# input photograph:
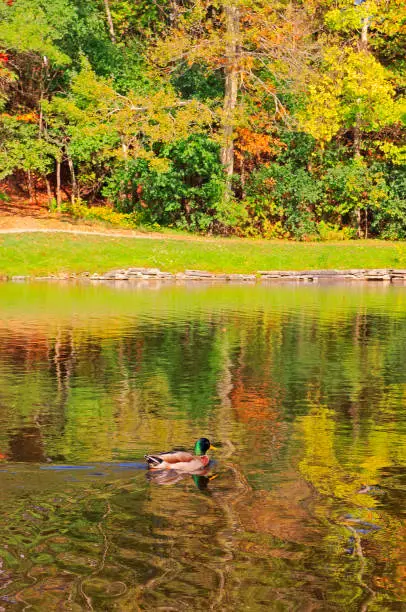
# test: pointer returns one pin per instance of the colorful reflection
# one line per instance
(303, 389)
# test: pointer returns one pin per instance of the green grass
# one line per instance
(36, 254)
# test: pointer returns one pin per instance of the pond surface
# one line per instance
(303, 388)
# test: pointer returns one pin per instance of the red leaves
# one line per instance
(4, 58)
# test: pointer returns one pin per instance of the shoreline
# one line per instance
(136, 275)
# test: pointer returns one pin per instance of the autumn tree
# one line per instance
(259, 49)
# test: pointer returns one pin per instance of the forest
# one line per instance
(251, 118)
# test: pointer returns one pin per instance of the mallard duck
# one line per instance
(182, 461)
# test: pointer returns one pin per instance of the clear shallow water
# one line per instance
(304, 389)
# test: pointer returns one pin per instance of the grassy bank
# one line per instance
(36, 254)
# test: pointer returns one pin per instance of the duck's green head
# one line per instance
(202, 446)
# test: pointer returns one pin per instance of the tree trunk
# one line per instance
(232, 15)
(29, 181)
(364, 34)
(359, 228)
(58, 184)
(357, 136)
(49, 191)
(363, 46)
(73, 178)
(110, 21)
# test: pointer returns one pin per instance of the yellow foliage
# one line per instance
(353, 88)
(105, 214)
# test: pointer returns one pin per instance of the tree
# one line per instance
(254, 45)
(353, 92)
(97, 128)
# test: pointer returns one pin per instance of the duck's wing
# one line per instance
(171, 458)
(185, 462)
(177, 457)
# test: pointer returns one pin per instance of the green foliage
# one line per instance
(286, 195)
(143, 18)
(36, 26)
(198, 82)
(354, 186)
(390, 220)
(185, 190)
(22, 149)
(330, 231)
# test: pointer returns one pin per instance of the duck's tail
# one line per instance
(153, 460)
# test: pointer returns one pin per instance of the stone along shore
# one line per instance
(155, 274)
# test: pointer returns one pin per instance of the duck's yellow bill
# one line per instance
(211, 447)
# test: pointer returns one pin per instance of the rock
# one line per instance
(198, 274)
(241, 277)
(398, 275)
(379, 272)
(378, 277)
(166, 275)
(137, 271)
(18, 279)
(314, 275)
(133, 274)
(152, 271)
(270, 276)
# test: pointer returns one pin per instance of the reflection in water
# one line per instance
(171, 477)
(26, 444)
(304, 507)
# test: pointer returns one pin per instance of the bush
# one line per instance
(389, 221)
(330, 231)
(281, 201)
(184, 187)
(104, 214)
(376, 191)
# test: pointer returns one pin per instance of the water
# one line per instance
(303, 388)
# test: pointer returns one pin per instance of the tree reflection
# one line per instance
(308, 401)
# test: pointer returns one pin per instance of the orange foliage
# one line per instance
(26, 117)
(254, 146)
